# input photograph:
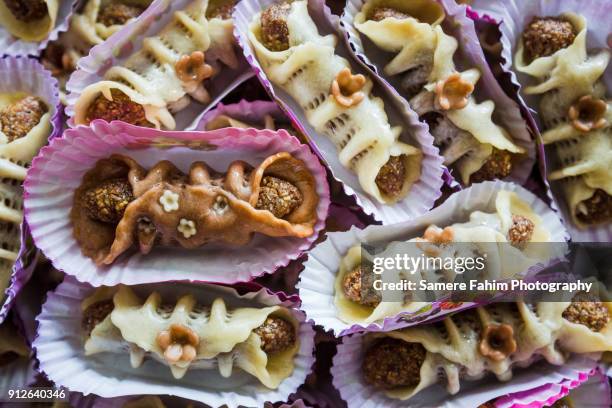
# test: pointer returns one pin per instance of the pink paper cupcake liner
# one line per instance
(348, 379)
(458, 25)
(423, 193)
(59, 348)
(27, 75)
(13, 46)
(116, 48)
(317, 281)
(58, 171)
(589, 390)
(514, 15)
(244, 111)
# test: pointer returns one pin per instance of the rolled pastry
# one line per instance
(510, 237)
(575, 112)
(189, 335)
(336, 103)
(119, 204)
(29, 20)
(24, 128)
(165, 75)
(463, 129)
(492, 339)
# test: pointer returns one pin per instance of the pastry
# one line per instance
(29, 20)
(516, 231)
(489, 339)
(188, 335)
(423, 55)
(336, 102)
(574, 110)
(119, 204)
(167, 72)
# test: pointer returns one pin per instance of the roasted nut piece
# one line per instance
(120, 108)
(346, 88)
(95, 314)
(278, 196)
(380, 13)
(359, 288)
(274, 30)
(588, 113)
(107, 201)
(17, 119)
(27, 10)
(587, 310)
(276, 335)
(179, 343)
(596, 209)
(393, 363)
(546, 35)
(498, 166)
(118, 13)
(497, 341)
(391, 177)
(521, 231)
(222, 11)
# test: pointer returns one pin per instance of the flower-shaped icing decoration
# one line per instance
(186, 227)
(497, 341)
(346, 88)
(169, 200)
(434, 237)
(588, 113)
(453, 92)
(193, 68)
(178, 343)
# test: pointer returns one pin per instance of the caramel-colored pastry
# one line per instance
(336, 101)
(20, 117)
(120, 204)
(514, 227)
(574, 110)
(464, 130)
(168, 72)
(29, 20)
(190, 335)
(490, 339)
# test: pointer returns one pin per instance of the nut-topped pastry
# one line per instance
(190, 334)
(490, 339)
(513, 226)
(574, 108)
(424, 72)
(29, 20)
(337, 101)
(168, 71)
(119, 204)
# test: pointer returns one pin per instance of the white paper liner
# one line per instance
(317, 281)
(120, 45)
(15, 47)
(424, 192)
(59, 348)
(58, 171)
(589, 390)
(514, 15)
(348, 379)
(468, 55)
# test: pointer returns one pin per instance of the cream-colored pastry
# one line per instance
(337, 103)
(464, 129)
(575, 112)
(188, 335)
(29, 20)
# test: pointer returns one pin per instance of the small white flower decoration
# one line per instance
(187, 228)
(169, 200)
